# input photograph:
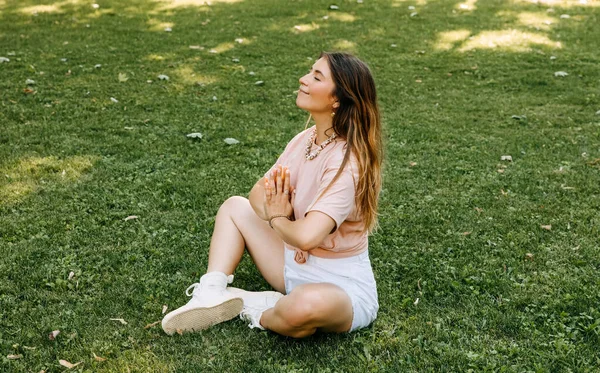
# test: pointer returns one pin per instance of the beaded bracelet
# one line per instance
(277, 216)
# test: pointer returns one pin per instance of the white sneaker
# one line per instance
(210, 304)
(255, 303)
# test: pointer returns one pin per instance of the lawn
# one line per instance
(488, 253)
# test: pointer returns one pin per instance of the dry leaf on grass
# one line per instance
(506, 158)
(152, 324)
(561, 74)
(120, 320)
(546, 227)
(71, 275)
(53, 334)
(164, 309)
(69, 365)
(14, 357)
(98, 358)
(194, 135)
(529, 256)
(123, 77)
(130, 217)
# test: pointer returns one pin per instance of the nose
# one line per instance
(302, 80)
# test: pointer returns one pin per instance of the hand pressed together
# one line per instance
(279, 195)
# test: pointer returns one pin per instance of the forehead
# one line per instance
(322, 66)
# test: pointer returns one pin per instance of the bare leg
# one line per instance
(237, 227)
(309, 307)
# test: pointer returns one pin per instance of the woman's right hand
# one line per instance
(279, 195)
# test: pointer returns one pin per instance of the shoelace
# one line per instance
(197, 285)
(193, 288)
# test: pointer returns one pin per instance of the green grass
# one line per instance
(509, 296)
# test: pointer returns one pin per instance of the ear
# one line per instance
(336, 105)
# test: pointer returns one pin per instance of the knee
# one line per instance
(306, 310)
(234, 204)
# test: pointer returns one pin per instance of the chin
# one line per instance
(299, 103)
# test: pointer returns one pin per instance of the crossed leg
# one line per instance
(308, 307)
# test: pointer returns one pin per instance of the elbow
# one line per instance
(307, 243)
(309, 236)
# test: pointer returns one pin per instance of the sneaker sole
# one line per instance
(197, 319)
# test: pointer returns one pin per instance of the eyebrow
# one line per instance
(319, 72)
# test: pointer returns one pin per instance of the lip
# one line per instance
(300, 90)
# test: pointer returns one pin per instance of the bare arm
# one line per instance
(305, 234)
(256, 198)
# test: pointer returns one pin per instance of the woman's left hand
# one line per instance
(279, 195)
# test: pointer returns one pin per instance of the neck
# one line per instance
(323, 123)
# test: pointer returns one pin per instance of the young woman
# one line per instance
(306, 223)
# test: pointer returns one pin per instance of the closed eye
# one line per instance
(314, 75)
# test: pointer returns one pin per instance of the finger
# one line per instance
(293, 198)
(279, 186)
(267, 189)
(272, 177)
(286, 183)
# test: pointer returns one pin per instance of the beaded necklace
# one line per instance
(310, 156)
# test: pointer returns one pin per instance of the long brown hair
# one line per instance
(357, 120)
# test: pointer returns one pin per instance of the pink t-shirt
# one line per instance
(310, 178)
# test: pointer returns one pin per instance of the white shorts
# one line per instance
(353, 274)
